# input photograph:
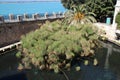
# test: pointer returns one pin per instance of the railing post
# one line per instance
(55, 15)
(1, 18)
(60, 14)
(26, 16)
(34, 16)
(37, 15)
(11, 17)
(63, 14)
(46, 15)
(19, 17)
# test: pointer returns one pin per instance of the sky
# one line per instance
(29, 0)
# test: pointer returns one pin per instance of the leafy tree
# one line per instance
(69, 3)
(101, 8)
(55, 47)
(114, 1)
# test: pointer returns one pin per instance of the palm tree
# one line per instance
(101, 8)
(79, 14)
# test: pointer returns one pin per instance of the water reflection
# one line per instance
(110, 48)
(109, 52)
(108, 68)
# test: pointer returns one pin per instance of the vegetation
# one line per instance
(101, 8)
(118, 20)
(79, 14)
(69, 3)
(56, 47)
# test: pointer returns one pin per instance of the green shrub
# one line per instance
(54, 47)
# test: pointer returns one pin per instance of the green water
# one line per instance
(9, 64)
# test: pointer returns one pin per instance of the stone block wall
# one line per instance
(12, 32)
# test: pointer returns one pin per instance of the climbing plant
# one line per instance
(55, 46)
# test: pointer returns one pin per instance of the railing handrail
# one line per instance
(10, 46)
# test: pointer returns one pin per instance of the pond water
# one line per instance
(108, 68)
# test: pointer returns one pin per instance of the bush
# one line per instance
(54, 47)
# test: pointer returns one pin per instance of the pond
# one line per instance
(107, 69)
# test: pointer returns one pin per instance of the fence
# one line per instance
(34, 17)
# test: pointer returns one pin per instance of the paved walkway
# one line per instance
(110, 32)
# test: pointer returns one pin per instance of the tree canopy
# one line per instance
(69, 3)
(101, 8)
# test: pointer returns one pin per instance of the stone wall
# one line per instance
(12, 32)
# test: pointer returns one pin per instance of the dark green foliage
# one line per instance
(69, 3)
(118, 20)
(53, 47)
(101, 8)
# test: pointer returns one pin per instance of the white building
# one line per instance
(117, 10)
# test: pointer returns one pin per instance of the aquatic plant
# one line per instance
(55, 46)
